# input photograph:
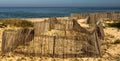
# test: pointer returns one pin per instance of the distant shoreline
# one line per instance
(41, 12)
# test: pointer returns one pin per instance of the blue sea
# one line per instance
(38, 12)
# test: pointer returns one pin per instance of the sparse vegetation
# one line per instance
(16, 22)
(117, 41)
(116, 24)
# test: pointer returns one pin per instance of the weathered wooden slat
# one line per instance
(100, 31)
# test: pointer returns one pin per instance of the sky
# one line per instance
(59, 3)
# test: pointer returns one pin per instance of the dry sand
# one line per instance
(112, 51)
(42, 19)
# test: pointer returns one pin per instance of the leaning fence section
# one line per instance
(13, 38)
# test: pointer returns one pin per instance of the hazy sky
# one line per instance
(59, 3)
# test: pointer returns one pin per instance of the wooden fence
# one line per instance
(84, 44)
(41, 27)
(93, 17)
(56, 46)
(62, 47)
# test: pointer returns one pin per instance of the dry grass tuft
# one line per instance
(117, 41)
(16, 22)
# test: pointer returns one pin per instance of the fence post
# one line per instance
(54, 37)
(97, 43)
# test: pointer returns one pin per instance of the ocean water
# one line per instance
(37, 12)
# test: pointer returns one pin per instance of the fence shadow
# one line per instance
(82, 55)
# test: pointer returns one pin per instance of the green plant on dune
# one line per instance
(116, 24)
(16, 22)
(117, 41)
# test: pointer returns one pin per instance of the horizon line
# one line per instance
(62, 6)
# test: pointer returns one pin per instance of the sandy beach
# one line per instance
(112, 51)
(59, 30)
